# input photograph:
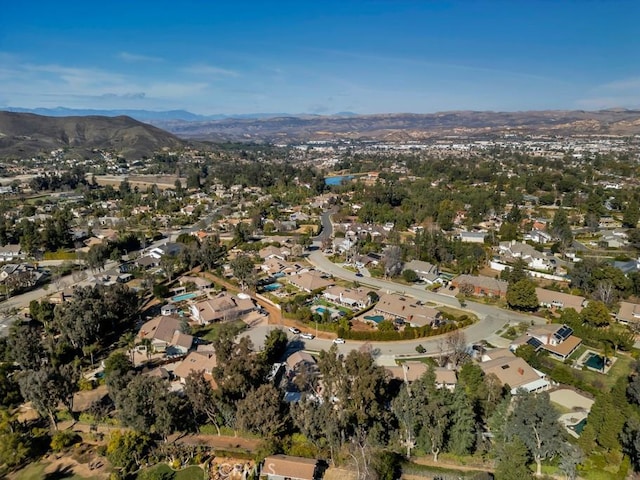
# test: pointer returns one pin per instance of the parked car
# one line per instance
(359, 274)
(307, 336)
(294, 330)
(338, 340)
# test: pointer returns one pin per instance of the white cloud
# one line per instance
(209, 71)
(137, 58)
(623, 85)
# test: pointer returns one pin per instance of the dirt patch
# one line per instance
(96, 467)
(84, 399)
(221, 442)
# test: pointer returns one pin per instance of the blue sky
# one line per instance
(320, 56)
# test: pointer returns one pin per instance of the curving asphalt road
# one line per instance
(491, 318)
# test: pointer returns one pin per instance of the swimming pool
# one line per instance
(595, 361)
(183, 297)
(578, 427)
(272, 287)
(374, 318)
(321, 310)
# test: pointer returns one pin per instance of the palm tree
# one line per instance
(146, 343)
(128, 339)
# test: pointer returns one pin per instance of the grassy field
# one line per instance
(212, 331)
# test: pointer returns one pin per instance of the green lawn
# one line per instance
(212, 331)
(427, 360)
(189, 473)
(458, 313)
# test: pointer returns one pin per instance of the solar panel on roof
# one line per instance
(534, 342)
(564, 332)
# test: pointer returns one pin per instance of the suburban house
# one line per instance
(165, 334)
(482, 286)
(310, 281)
(10, 252)
(473, 237)
(286, 467)
(556, 339)
(412, 370)
(221, 308)
(168, 248)
(393, 306)
(147, 262)
(629, 313)
(353, 298)
(271, 251)
(552, 299)
(538, 236)
(299, 358)
(273, 265)
(534, 259)
(203, 362)
(613, 239)
(514, 371)
(425, 270)
(199, 282)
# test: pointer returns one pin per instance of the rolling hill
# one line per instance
(24, 135)
(410, 127)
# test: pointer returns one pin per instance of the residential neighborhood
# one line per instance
(270, 311)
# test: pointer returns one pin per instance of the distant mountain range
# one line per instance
(404, 127)
(148, 115)
(24, 135)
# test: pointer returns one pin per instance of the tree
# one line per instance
(275, 345)
(516, 273)
(570, 459)
(409, 275)
(393, 261)
(203, 398)
(522, 295)
(535, 422)
(462, 433)
(47, 387)
(211, 254)
(126, 450)
(407, 411)
(560, 227)
(262, 412)
(456, 344)
(244, 270)
(118, 370)
(631, 215)
(25, 346)
(512, 462)
(595, 314)
(147, 406)
(15, 440)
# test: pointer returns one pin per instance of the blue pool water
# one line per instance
(578, 427)
(278, 275)
(321, 310)
(337, 180)
(595, 361)
(272, 287)
(183, 297)
(374, 318)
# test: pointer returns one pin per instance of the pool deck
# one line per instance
(583, 358)
(571, 419)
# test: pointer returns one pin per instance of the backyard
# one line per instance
(212, 331)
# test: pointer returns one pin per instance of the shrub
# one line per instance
(63, 439)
